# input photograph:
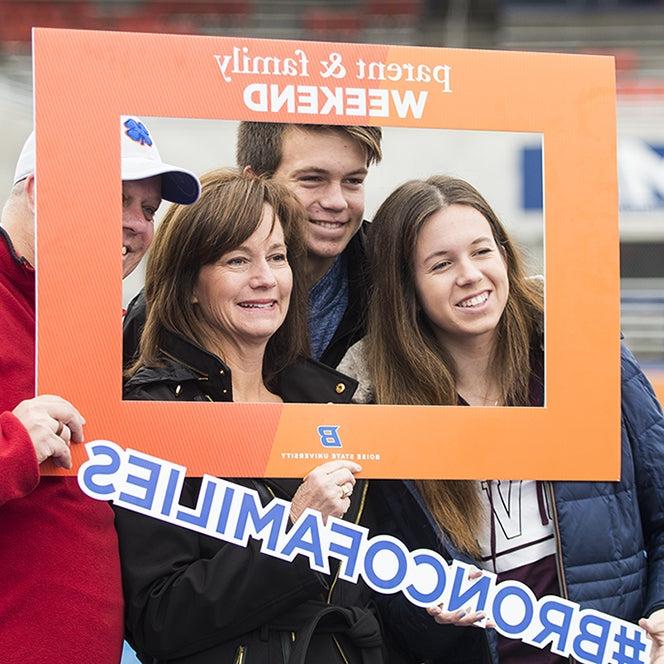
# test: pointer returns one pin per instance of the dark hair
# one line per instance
(259, 144)
(406, 361)
(192, 236)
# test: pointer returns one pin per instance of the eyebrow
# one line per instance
(324, 171)
(272, 247)
(444, 252)
(157, 200)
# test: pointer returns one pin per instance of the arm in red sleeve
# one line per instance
(19, 470)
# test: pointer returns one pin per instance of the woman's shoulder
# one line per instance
(158, 383)
(309, 381)
(639, 402)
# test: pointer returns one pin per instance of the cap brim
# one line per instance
(178, 185)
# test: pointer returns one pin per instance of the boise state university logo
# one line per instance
(329, 436)
(138, 132)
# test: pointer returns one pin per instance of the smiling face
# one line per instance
(140, 201)
(460, 275)
(326, 171)
(244, 296)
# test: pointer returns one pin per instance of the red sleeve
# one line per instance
(19, 470)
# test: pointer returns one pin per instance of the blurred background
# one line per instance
(630, 30)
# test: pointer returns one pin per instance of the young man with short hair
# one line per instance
(325, 166)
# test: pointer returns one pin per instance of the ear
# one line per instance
(29, 189)
(248, 170)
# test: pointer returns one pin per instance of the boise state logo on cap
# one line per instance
(141, 159)
(138, 132)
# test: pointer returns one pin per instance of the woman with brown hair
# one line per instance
(226, 321)
(466, 328)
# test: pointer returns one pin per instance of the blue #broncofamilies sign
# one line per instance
(233, 513)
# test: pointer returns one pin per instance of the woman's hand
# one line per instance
(654, 627)
(327, 488)
(462, 617)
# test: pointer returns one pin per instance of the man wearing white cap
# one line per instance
(60, 593)
(145, 181)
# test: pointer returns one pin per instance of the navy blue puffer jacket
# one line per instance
(612, 533)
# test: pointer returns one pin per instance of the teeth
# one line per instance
(474, 301)
(328, 224)
(124, 250)
(251, 305)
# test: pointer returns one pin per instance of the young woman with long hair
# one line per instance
(465, 327)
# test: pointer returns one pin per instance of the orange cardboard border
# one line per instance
(84, 80)
(657, 380)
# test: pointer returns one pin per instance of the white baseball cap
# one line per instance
(140, 159)
(26, 160)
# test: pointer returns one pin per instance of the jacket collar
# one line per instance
(305, 381)
(185, 362)
(213, 375)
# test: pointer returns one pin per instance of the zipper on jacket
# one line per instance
(287, 639)
(339, 648)
(562, 581)
(357, 520)
(336, 576)
(240, 654)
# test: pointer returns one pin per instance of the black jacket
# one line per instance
(352, 326)
(192, 598)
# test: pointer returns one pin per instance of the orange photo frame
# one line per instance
(85, 80)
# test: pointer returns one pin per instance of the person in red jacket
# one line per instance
(60, 591)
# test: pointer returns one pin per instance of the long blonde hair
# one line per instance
(406, 361)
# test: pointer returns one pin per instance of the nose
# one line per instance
(467, 272)
(134, 221)
(262, 275)
(333, 198)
